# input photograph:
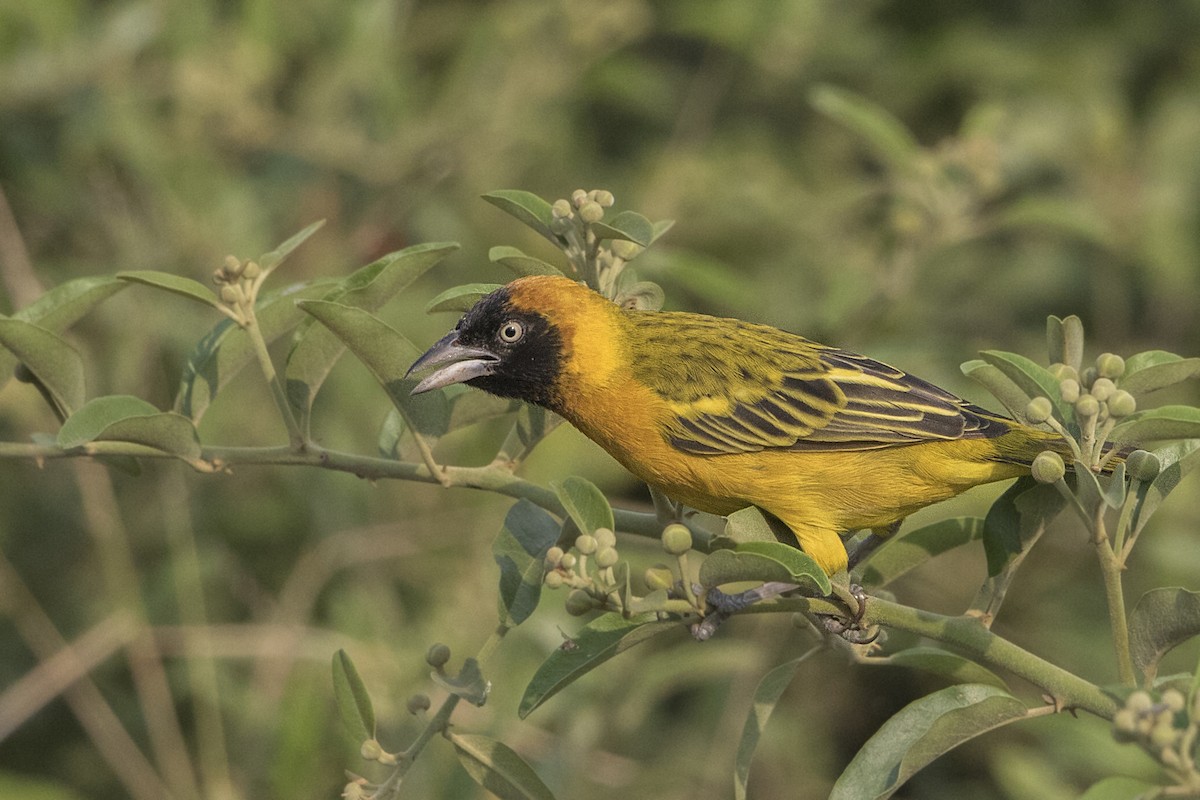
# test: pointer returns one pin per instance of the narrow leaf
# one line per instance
(57, 365)
(1073, 339)
(89, 421)
(521, 264)
(764, 561)
(353, 701)
(123, 418)
(584, 503)
(641, 296)
(497, 768)
(226, 349)
(1118, 787)
(907, 551)
(175, 284)
(885, 134)
(533, 424)
(1176, 461)
(1162, 620)
(752, 525)
(628, 225)
(1016, 517)
(999, 385)
(919, 733)
(597, 642)
(468, 684)
(1151, 377)
(460, 298)
(1056, 343)
(271, 260)
(526, 207)
(1032, 378)
(59, 309)
(520, 552)
(1158, 424)
(766, 697)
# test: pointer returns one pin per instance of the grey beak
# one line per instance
(457, 364)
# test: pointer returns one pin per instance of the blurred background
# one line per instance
(916, 181)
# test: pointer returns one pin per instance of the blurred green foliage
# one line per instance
(1042, 160)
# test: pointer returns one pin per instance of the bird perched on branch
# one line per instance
(722, 414)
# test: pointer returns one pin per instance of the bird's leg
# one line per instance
(726, 605)
(851, 628)
(868, 545)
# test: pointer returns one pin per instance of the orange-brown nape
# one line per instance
(722, 414)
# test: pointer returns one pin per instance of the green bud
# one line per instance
(1174, 700)
(554, 556)
(1048, 467)
(1143, 466)
(229, 295)
(586, 544)
(591, 212)
(560, 225)
(1121, 404)
(1125, 721)
(579, 197)
(252, 270)
(418, 703)
(1062, 372)
(1070, 389)
(561, 209)
(1139, 701)
(625, 249)
(371, 750)
(578, 603)
(1039, 410)
(554, 579)
(1110, 365)
(676, 539)
(233, 265)
(659, 577)
(1102, 389)
(1087, 406)
(568, 561)
(1089, 376)
(604, 198)
(220, 276)
(437, 656)
(607, 557)
(605, 537)
(1164, 734)
(355, 790)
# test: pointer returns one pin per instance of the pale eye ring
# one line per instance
(511, 331)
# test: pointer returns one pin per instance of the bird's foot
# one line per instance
(851, 628)
(725, 605)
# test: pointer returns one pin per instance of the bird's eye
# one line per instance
(512, 331)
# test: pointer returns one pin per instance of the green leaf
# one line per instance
(919, 733)
(628, 225)
(315, 349)
(1176, 461)
(999, 385)
(641, 296)
(764, 561)
(766, 697)
(227, 349)
(124, 418)
(584, 503)
(1162, 620)
(55, 364)
(468, 684)
(1117, 787)
(942, 663)
(1017, 516)
(1073, 341)
(175, 284)
(902, 553)
(660, 229)
(1056, 340)
(1157, 369)
(461, 298)
(353, 702)
(526, 207)
(1062, 216)
(60, 308)
(495, 767)
(521, 264)
(1032, 378)
(752, 525)
(1157, 424)
(597, 642)
(533, 424)
(271, 260)
(885, 134)
(520, 552)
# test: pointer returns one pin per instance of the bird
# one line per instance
(722, 414)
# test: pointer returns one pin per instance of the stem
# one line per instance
(1110, 568)
(277, 391)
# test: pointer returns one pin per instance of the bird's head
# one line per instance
(514, 342)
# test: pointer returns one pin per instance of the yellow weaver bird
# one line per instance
(722, 414)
